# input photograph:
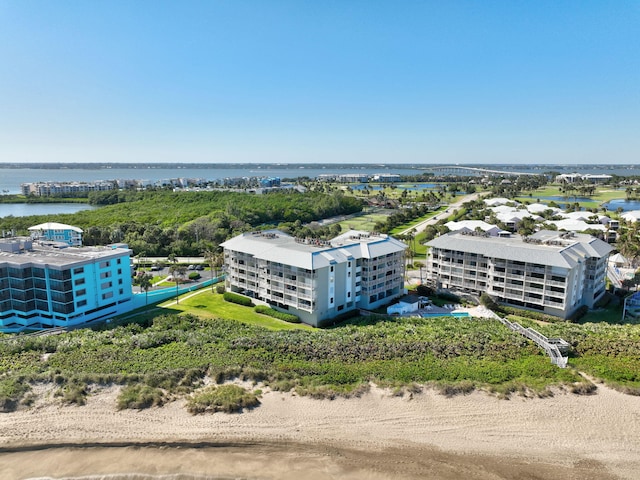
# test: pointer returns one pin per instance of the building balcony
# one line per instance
(532, 269)
(513, 295)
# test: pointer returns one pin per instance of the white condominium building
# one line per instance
(554, 272)
(313, 279)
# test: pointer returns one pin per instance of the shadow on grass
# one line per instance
(142, 316)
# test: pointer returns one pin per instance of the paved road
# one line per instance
(433, 220)
(165, 260)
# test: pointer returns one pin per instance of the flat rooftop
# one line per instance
(46, 254)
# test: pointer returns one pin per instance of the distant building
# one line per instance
(327, 177)
(48, 284)
(386, 177)
(270, 182)
(469, 226)
(353, 178)
(45, 189)
(587, 178)
(553, 272)
(316, 280)
(494, 202)
(57, 232)
(631, 216)
(344, 178)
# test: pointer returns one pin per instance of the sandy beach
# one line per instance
(377, 436)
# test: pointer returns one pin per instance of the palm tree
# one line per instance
(419, 265)
(218, 262)
(143, 280)
(409, 259)
(177, 272)
(215, 261)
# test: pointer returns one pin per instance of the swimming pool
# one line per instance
(446, 314)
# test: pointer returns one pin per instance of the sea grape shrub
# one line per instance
(287, 317)
(239, 299)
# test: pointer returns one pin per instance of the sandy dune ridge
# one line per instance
(379, 435)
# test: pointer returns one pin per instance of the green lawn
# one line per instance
(610, 314)
(415, 222)
(363, 222)
(211, 305)
(603, 194)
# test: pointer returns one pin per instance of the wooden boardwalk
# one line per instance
(556, 348)
(552, 346)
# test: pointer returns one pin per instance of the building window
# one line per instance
(81, 292)
(104, 264)
(332, 268)
(104, 275)
(78, 271)
(107, 295)
(79, 281)
(81, 303)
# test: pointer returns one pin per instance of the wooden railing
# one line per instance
(549, 345)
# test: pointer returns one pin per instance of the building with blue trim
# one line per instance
(46, 284)
(57, 232)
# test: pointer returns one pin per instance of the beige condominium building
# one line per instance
(554, 272)
(314, 279)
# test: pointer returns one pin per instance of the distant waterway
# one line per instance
(625, 205)
(27, 209)
(11, 177)
(411, 187)
(561, 199)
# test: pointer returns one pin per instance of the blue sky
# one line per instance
(320, 81)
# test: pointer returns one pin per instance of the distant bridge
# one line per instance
(472, 171)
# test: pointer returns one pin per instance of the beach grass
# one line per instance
(222, 398)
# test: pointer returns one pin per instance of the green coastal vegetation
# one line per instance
(166, 351)
(161, 222)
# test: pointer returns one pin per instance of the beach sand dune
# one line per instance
(377, 436)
